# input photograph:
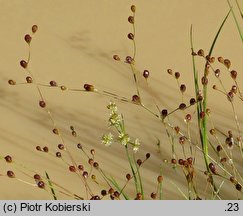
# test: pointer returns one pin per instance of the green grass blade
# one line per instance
(236, 21)
(51, 186)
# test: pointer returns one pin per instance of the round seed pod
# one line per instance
(136, 99)
(190, 160)
(139, 162)
(177, 75)
(230, 96)
(193, 53)
(42, 104)
(92, 151)
(238, 187)
(112, 197)
(233, 74)
(232, 179)
(8, 159)
(103, 192)
(199, 98)
(41, 184)
(85, 174)
(212, 131)
(169, 71)
(139, 196)
(215, 87)
(223, 160)
(34, 28)
(147, 155)
(200, 52)
(130, 36)
(79, 146)
(182, 140)
(204, 80)
(153, 195)
(81, 167)
(91, 161)
(111, 191)
(188, 118)
(37, 177)
(219, 148)
(180, 161)
(212, 60)
(27, 38)
(10, 174)
(96, 197)
(159, 179)
(192, 101)
(45, 149)
(72, 168)
(55, 131)
(11, 82)
(38, 148)
(63, 88)
(212, 168)
(116, 57)
(145, 74)
(23, 64)
(217, 73)
(116, 194)
(227, 63)
(234, 89)
(177, 129)
(173, 161)
(58, 154)
(29, 79)
(182, 88)
(129, 60)
(221, 59)
(202, 114)
(53, 83)
(128, 177)
(131, 19)
(88, 87)
(95, 165)
(61, 146)
(182, 106)
(164, 113)
(133, 8)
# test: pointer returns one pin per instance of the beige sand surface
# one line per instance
(74, 45)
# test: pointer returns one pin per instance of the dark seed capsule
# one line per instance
(111, 191)
(11, 82)
(192, 101)
(147, 155)
(91, 161)
(232, 179)
(219, 148)
(23, 64)
(169, 71)
(92, 151)
(10, 174)
(55, 131)
(8, 159)
(183, 88)
(63, 88)
(180, 161)
(129, 60)
(96, 165)
(173, 161)
(79, 146)
(238, 187)
(153, 195)
(45, 149)
(227, 63)
(38, 148)
(131, 19)
(136, 99)
(234, 89)
(221, 59)
(128, 176)
(202, 114)
(145, 74)
(190, 160)
(230, 96)
(85, 174)
(74, 133)
(58, 154)
(200, 52)
(72, 168)
(194, 53)
(177, 75)
(188, 118)
(103, 192)
(204, 80)
(133, 8)
(139, 162)
(212, 168)
(88, 87)
(223, 160)
(212, 60)
(41, 184)
(29, 79)
(34, 28)
(116, 57)
(42, 104)
(130, 36)
(81, 167)
(164, 113)
(53, 83)
(177, 129)
(139, 196)
(37, 177)
(182, 140)
(71, 128)
(159, 179)
(199, 98)
(212, 132)
(61, 146)
(116, 194)
(182, 106)
(27, 38)
(233, 74)
(217, 73)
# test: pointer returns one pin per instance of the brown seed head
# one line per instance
(202, 114)
(159, 179)
(129, 60)
(131, 19)
(42, 104)
(23, 64)
(200, 52)
(233, 74)
(103, 192)
(182, 106)
(212, 132)
(63, 88)
(145, 74)
(29, 79)
(234, 89)
(45, 149)
(217, 73)
(11, 82)
(37, 177)
(204, 80)
(10, 174)
(221, 59)
(72, 168)
(81, 167)
(60, 146)
(177, 129)
(38, 148)
(182, 140)
(188, 118)
(219, 148)
(192, 101)
(147, 155)
(182, 88)
(58, 154)
(153, 195)
(34, 28)
(164, 113)
(88, 87)
(230, 96)
(227, 63)
(177, 75)
(27, 38)
(136, 99)
(139, 162)
(238, 187)
(130, 36)
(8, 159)
(169, 71)
(128, 177)
(85, 174)
(55, 131)
(133, 8)
(53, 83)
(41, 184)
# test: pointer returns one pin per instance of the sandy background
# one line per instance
(74, 45)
